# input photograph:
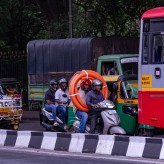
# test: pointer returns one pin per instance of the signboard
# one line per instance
(146, 81)
(129, 60)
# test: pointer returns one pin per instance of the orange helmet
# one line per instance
(85, 82)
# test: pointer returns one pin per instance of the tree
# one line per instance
(21, 21)
(25, 20)
(110, 17)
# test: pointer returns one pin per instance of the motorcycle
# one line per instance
(47, 121)
(112, 120)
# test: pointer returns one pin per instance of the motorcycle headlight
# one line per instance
(110, 105)
(130, 110)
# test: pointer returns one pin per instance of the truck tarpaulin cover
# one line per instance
(60, 55)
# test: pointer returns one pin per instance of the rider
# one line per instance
(85, 86)
(92, 98)
(50, 100)
(62, 100)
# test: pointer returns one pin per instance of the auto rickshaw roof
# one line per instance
(111, 78)
(7, 80)
(128, 77)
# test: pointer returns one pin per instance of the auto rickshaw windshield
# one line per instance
(13, 88)
(131, 89)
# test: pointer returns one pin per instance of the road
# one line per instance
(35, 126)
(19, 156)
(31, 125)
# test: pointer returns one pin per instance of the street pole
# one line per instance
(70, 18)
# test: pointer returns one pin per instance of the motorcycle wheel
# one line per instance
(146, 132)
(71, 130)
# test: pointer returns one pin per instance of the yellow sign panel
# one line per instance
(146, 81)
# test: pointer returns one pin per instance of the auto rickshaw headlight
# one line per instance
(130, 110)
(1, 104)
(134, 111)
(6, 104)
(17, 102)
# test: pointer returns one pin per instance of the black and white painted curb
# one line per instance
(83, 143)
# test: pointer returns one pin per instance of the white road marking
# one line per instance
(54, 153)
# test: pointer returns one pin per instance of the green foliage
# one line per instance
(110, 17)
(25, 20)
(21, 21)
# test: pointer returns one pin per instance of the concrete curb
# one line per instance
(83, 143)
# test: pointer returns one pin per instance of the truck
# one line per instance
(53, 59)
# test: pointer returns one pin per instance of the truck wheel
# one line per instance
(146, 132)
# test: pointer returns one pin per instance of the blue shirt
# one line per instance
(50, 95)
(93, 97)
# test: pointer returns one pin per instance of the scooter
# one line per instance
(47, 121)
(112, 120)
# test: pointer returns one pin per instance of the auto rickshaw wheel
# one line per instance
(15, 126)
(145, 132)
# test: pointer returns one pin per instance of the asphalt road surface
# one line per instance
(35, 126)
(31, 125)
(19, 156)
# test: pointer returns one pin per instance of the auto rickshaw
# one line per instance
(10, 103)
(124, 93)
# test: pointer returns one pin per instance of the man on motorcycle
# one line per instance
(50, 100)
(62, 100)
(85, 86)
(92, 98)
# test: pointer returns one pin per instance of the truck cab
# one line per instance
(117, 64)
